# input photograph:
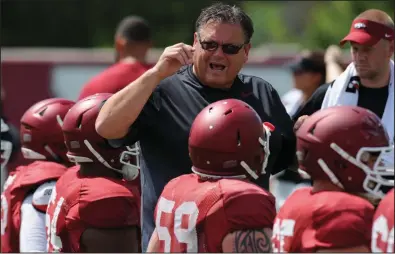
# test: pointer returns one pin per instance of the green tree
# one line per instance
(314, 24)
(91, 23)
(330, 21)
(268, 22)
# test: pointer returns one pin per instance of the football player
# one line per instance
(383, 225)
(92, 207)
(342, 148)
(217, 208)
(28, 188)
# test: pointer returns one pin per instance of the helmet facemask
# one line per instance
(128, 170)
(375, 162)
(266, 152)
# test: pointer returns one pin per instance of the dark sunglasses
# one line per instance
(227, 48)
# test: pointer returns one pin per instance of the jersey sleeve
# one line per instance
(341, 229)
(250, 210)
(42, 196)
(110, 212)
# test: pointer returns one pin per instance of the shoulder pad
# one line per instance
(42, 196)
(249, 206)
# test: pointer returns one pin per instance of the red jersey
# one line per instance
(78, 203)
(383, 225)
(310, 221)
(23, 181)
(114, 78)
(193, 215)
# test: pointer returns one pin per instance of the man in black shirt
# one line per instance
(308, 72)
(159, 107)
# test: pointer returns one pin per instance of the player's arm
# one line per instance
(32, 237)
(248, 241)
(153, 245)
(114, 225)
(110, 240)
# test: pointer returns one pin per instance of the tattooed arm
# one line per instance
(248, 241)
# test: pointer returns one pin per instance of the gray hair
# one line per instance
(224, 13)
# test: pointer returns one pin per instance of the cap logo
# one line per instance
(359, 26)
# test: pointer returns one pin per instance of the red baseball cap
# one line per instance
(367, 32)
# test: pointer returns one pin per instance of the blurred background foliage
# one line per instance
(91, 23)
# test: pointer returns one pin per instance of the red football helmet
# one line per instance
(228, 139)
(348, 146)
(85, 145)
(41, 133)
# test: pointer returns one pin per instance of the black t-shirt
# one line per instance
(373, 99)
(163, 126)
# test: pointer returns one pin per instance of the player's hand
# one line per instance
(299, 122)
(173, 58)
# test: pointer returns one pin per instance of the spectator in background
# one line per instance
(335, 65)
(309, 72)
(132, 42)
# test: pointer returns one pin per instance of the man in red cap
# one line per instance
(368, 80)
(369, 28)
